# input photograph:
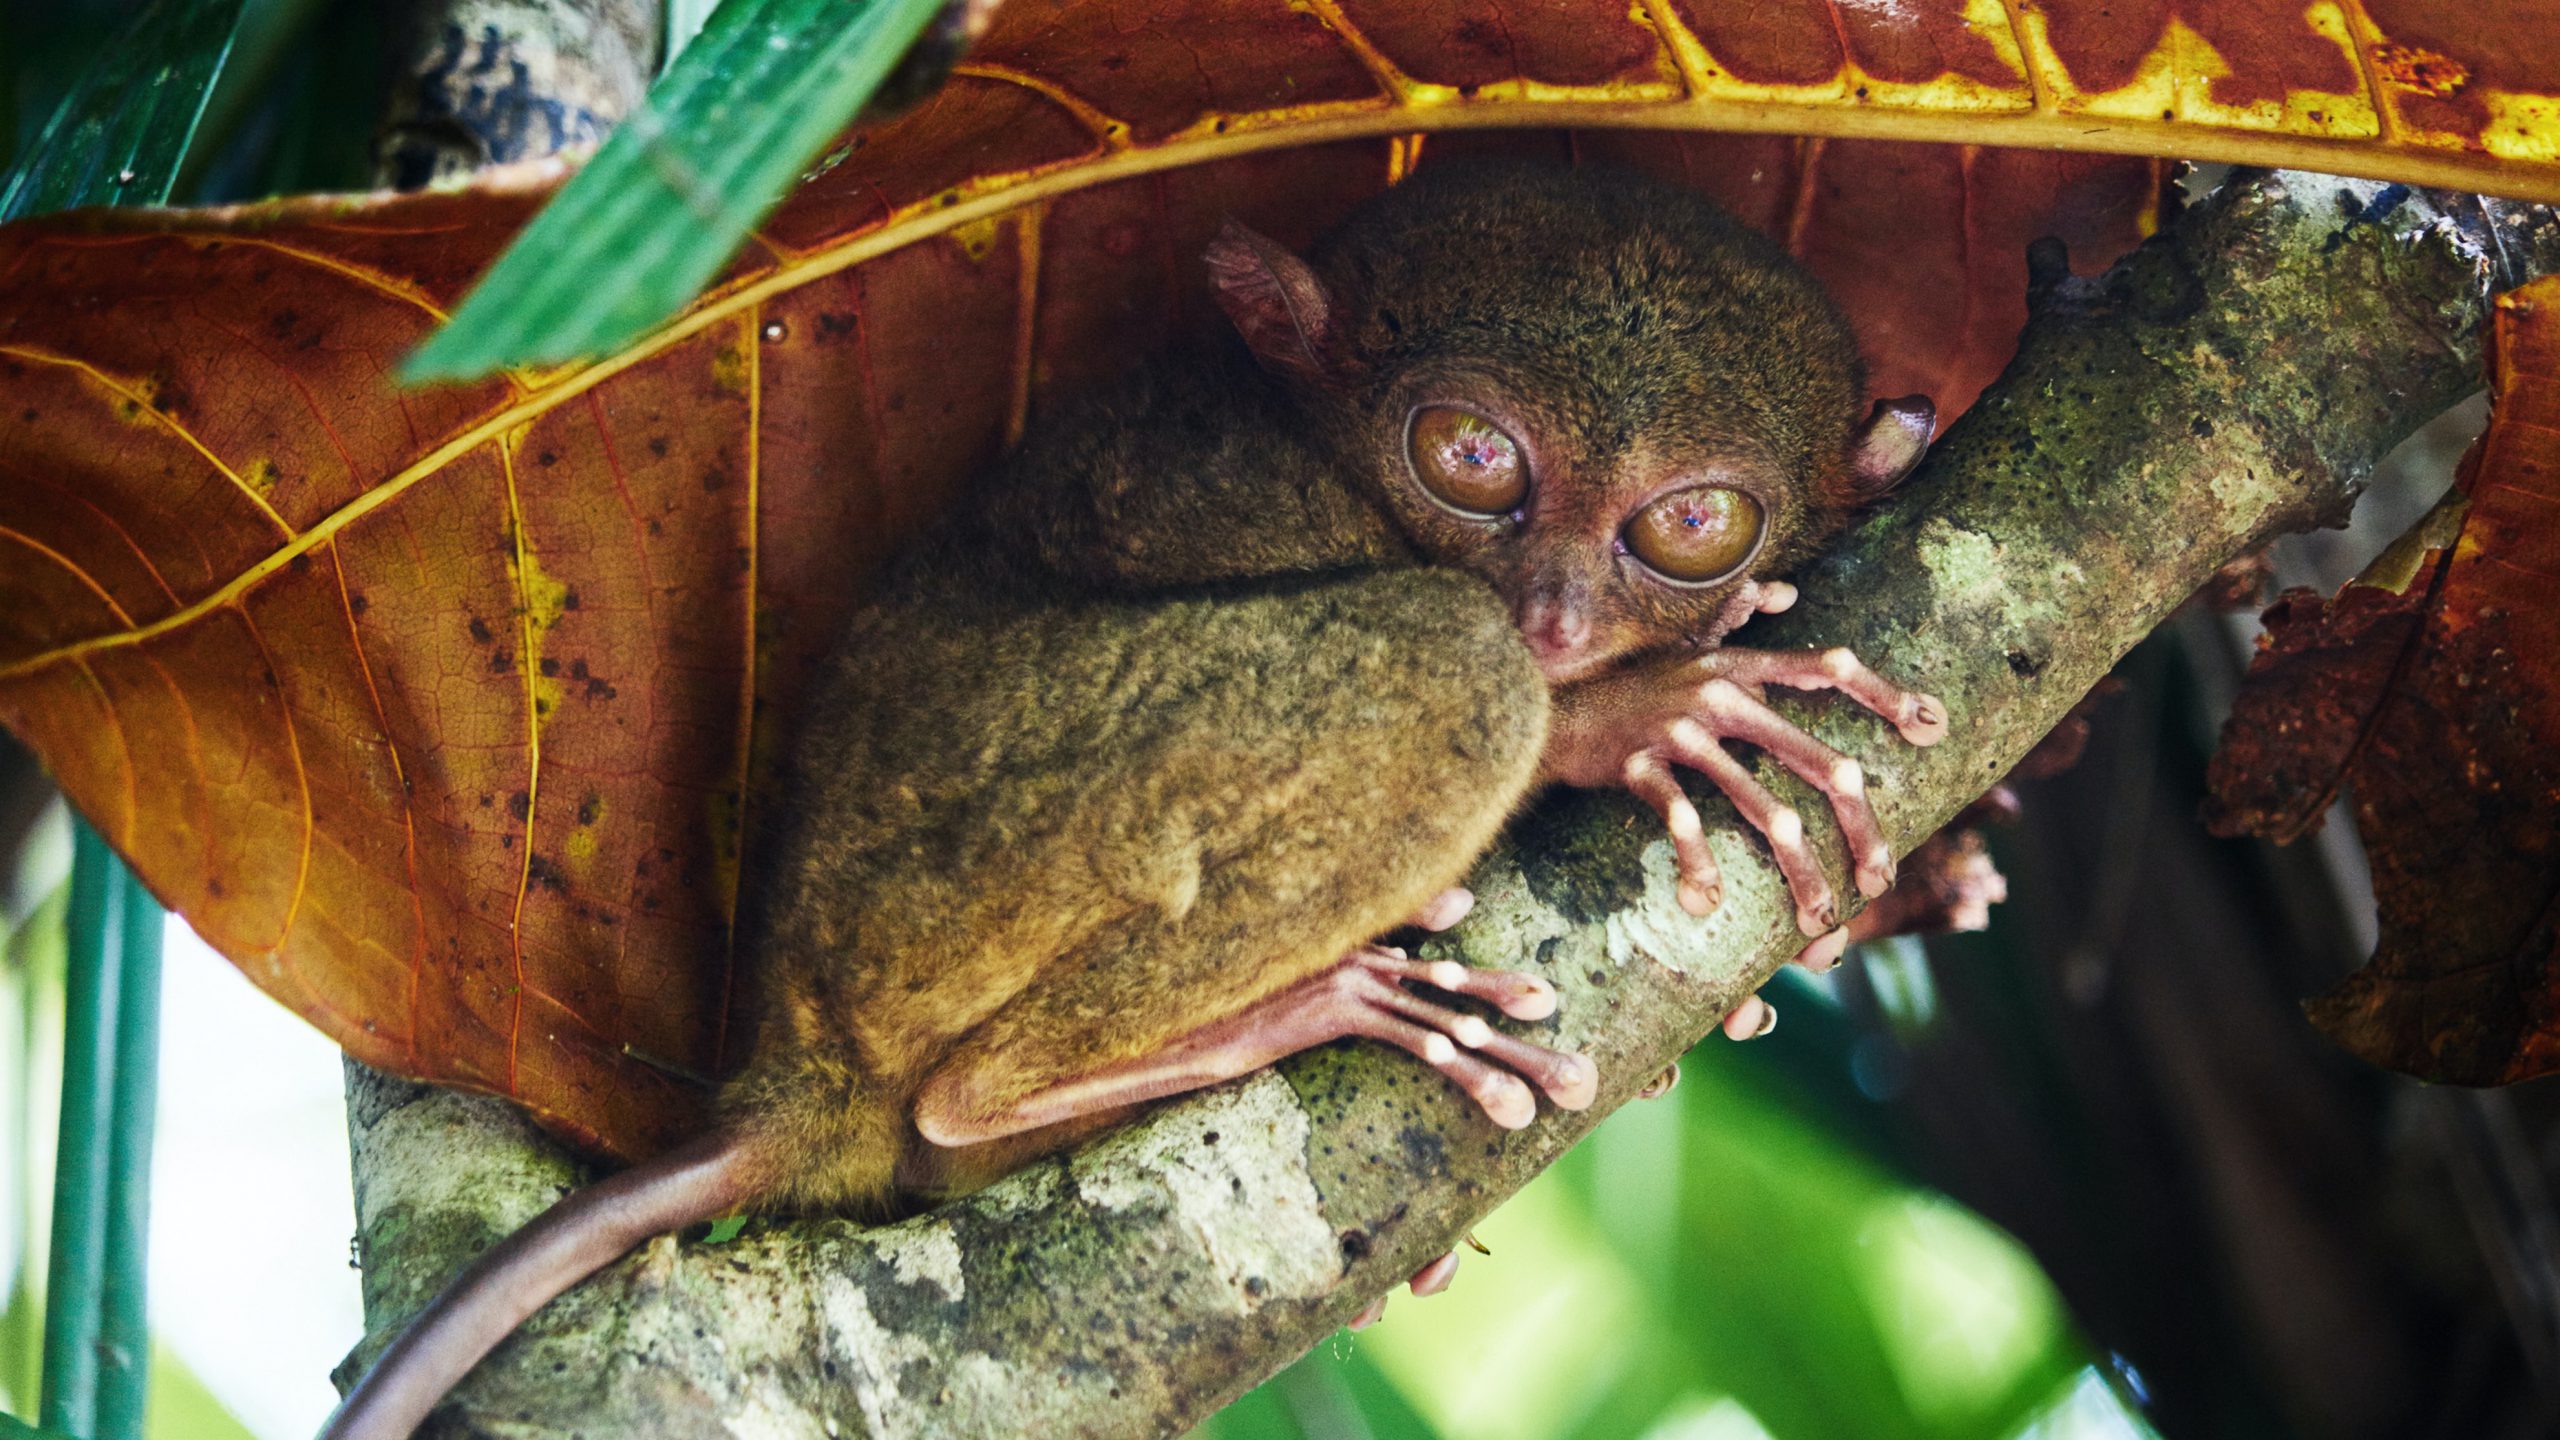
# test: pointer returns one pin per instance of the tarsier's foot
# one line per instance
(1724, 702)
(1366, 995)
(1637, 727)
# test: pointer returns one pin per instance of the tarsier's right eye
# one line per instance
(1465, 462)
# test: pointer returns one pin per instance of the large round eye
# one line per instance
(1463, 461)
(1697, 536)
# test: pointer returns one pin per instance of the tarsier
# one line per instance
(1232, 670)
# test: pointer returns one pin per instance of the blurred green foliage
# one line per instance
(33, 951)
(119, 135)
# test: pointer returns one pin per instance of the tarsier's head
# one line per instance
(1599, 392)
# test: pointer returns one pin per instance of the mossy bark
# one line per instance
(2237, 378)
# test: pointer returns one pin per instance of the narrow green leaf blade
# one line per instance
(685, 19)
(119, 135)
(635, 235)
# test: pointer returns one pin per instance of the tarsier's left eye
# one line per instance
(1465, 462)
(1698, 536)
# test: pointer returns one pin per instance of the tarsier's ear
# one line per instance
(1895, 438)
(1276, 302)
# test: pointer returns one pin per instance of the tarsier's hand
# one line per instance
(1632, 727)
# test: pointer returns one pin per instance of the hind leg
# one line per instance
(1365, 994)
(1412, 724)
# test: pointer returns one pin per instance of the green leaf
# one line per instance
(684, 21)
(667, 200)
(120, 133)
(725, 1230)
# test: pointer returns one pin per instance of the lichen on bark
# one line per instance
(2236, 377)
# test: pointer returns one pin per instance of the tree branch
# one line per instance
(490, 82)
(2237, 378)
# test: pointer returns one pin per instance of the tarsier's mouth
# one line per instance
(1565, 666)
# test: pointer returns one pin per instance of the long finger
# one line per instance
(1922, 719)
(1504, 1098)
(1816, 911)
(1522, 997)
(1571, 1081)
(1840, 779)
(1701, 883)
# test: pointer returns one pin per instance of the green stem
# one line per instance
(74, 1285)
(97, 1334)
(124, 1330)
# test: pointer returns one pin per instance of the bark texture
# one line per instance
(488, 82)
(2234, 379)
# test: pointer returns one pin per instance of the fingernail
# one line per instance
(1577, 1082)
(1433, 1278)
(1823, 955)
(1536, 1003)
(1768, 1020)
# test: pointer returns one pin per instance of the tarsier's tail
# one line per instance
(582, 1234)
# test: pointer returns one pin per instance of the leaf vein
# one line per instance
(141, 401)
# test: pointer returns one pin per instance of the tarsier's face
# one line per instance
(1601, 394)
(1606, 538)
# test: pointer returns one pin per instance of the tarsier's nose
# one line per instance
(1557, 625)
